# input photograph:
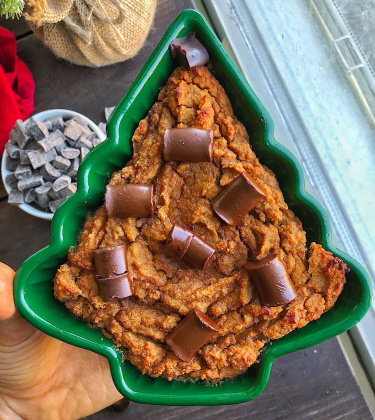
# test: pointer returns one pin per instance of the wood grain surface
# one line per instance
(18, 27)
(315, 383)
(309, 384)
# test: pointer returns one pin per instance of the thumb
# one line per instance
(13, 328)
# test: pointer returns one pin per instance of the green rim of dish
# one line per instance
(33, 287)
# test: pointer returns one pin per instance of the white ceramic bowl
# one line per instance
(43, 116)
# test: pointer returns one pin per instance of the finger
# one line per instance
(13, 328)
(7, 308)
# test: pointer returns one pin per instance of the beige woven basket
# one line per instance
(91, 32)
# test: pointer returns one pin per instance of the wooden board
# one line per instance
(309, 384)
(3, 193)
(21, 235)
(19, 26)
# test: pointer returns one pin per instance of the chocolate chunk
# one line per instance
(55, 204)
(33, 145)
(27, 145)
(33, 181)
(117, 287)
(73, 169)
(86, 132)
(11, 178)
(188, 145)
(67, 191)
(37, 129)
(79, 120)
(103, 127)
(129, 200)
(271, 281)
(181, 243)
(84, 152)
(49, 172)
(73, 130)
(71, 143)
(44, 189)
(54, 139)
(97, 141)
(83, 142)
(15, 197)
(63, 145)
(11, 164)
(48, 124)
(188, 51)
(69, 153)
(29, 196)
(24, 157)
(91, 136)
(54, 195)
(18, 135)
(61, 163)
(12, 150)
(193, 332)
(108, 111)
(237, 199)
(39, 158)
(178, 242)
(56, 123)
(61, 182)
(42, 194)
(199, 253)
(23, 172)
(111, 261)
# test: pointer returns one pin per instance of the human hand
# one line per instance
(41, 377)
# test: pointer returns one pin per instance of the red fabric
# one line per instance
(16, 87)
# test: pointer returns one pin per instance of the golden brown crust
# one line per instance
(164, 290)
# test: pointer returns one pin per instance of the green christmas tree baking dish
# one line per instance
(34, 280)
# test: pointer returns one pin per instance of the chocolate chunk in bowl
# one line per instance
(40, 156)
(112, 157)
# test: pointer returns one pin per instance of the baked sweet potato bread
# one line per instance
(164, 291)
